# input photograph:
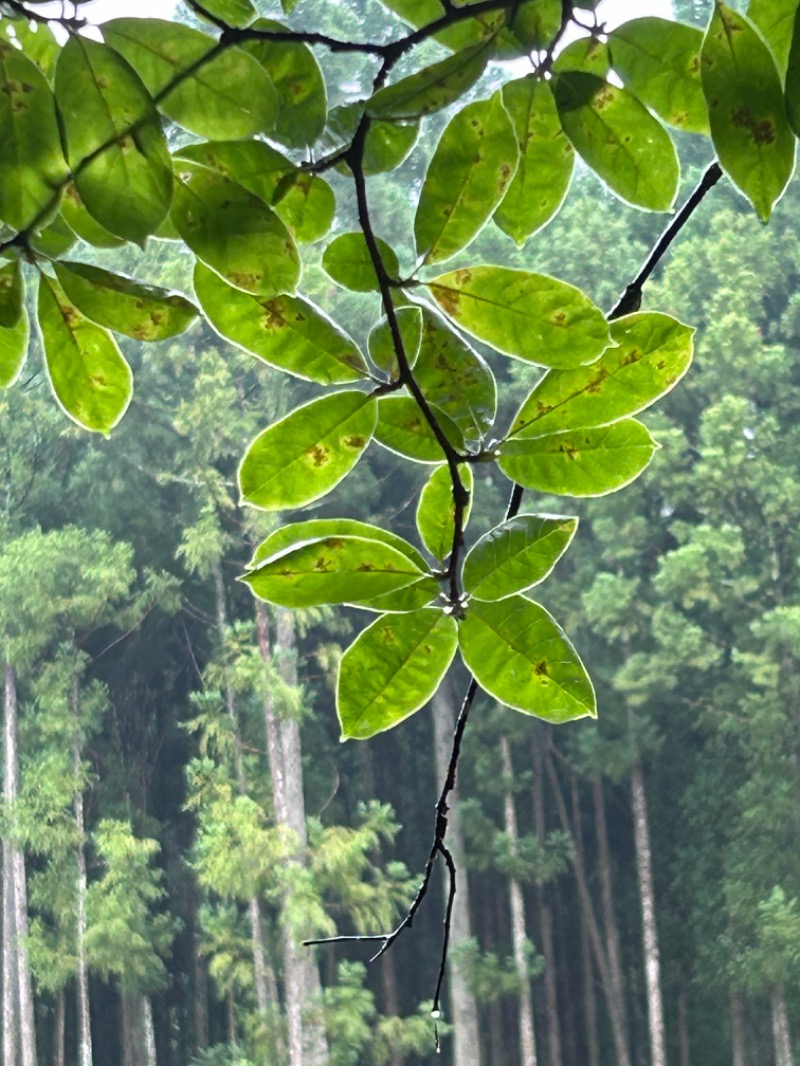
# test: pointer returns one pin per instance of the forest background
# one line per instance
(176, 739)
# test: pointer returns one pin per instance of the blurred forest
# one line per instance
(179, 814)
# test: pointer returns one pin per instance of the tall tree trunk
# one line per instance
(308, 1044)
(737, 1030)
(18, 890)
(527, 1034)
(609, 913)
(10, 993)
(652, 963)
(82, 975)
(589, 1001)
(148, 1033)
(545, 914)
(619, 1031)
(780, 1029)
(683, 1028)
(138, 1034)
(59, 1050)
(463, 1008)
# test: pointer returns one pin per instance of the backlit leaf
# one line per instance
(348, 261)
(306, 454)
(746, 112)
(432, 88)
(659, 62)
(296, 75)
(455, 378)
(775, 19)
(579, 462)
(516, 555)
(457, 36)
(422, 593)
(89, 375)
(232, 12)
(381, 342)
(331, 570)
(467, 178)
(38, 42)
(793, 79)
(436, 510)
(234, 232)
(521, 656)
(84, 225)
(619, 139)
(403, 428)
(127, 187)
(229, 94)
(540, 183)
(13, 349)
(392, 669)
(31, 158)
(387, 142)
(11, 294)
(144, 312)
(528, 316)
(285, 331)
(653, 353)
(587, 54)
(313, 529)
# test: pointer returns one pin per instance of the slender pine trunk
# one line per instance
(545, 913)
(587, 969)
(82, 972)
(10, 996)
(527, 1033)
(780, 1029)
(652, 963)
(59, 1049)
(683, 1028)
(148, 1033)
(302, 988)
(738, 1057)
(463, 1008)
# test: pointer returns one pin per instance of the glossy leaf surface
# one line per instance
(746, 111)
(403, 428)
(381, 341)
(348, 261)
(521, 656)
(516, 555)
(234, 232)
(619, 139)
(144, 312)
(89, 375)
(432, 88)
(579, 462)
(227, 94)
(303, 456)
(331, 570)
(528, 316)
(436, 510)
(30, 144)
(546, 160)
(296, 532)
(474, 161)
(659, 62)
(653, 351)
(287, 332)
(392, 669)
(13, 349)
(775, 19)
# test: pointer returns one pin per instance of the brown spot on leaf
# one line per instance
(388, 635)
(319, 454)
(541, 669)
(449, 299)
(355, 441)
(568, 450)
(762, 132)
(273, 317)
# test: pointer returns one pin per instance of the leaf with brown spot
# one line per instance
(403, 428)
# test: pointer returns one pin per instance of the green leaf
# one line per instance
(474, 161)
(421, 593)
(652, 353)
(659, 62)
(11, 294)
(521, 656)
(457, 36)
(588, 54)
(392, 669)
(13, 349)
(234, 232)
(285, 331)
(305, 455)
(296, 75)
(528, 316)
(403, 428)
(228, 94)
(38, 42)
(349, 263)
(297, 532)
(746, 112)
(31, 159)
(579, 462)
(237, 13)
(144, 312)
(455, 378)
(516, 555)
(53, 240)
(775, 19)
(305, 202)
(535, 25)
(793, 79)
(89, 375)
(619, 139)
(127, 187)
(381, 342)
(436, 510)
(431, 88)
(331, 570)
(387, 143)
(540, 183)
(85, 225)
